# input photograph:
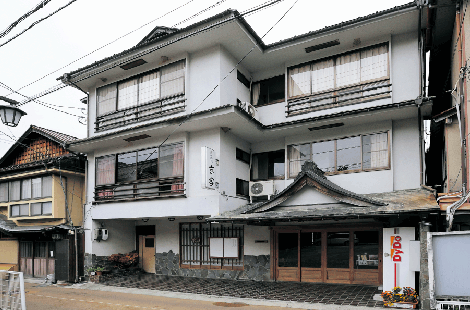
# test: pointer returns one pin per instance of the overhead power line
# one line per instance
(223, 79)
(47, 105)
(53, 89)
(60, 86)
(103, 46)
(22, 18)
(37, 22)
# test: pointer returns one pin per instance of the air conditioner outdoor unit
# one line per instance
(250, 109)
(261, 188)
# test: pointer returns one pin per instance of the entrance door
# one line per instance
(147, 252)
(37, 259)
(350, 256)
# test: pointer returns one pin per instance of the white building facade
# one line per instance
(347, 97)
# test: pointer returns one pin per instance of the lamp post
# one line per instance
(10, 114)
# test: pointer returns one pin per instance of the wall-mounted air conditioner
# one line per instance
(250, 109)
(100, 234)
(261, 188)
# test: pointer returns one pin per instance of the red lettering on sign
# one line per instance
(397, 238)
(396, 245)
(396, 258)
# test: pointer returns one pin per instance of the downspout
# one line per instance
(419, 100)
(450, 211)
(76, 255)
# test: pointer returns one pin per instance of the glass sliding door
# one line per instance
(352, 256)
(288, 256)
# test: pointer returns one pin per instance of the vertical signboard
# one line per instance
(210, 169)
(396, 258)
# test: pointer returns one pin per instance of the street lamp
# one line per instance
(10, 114)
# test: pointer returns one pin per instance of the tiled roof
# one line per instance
(11, 227)
(60, 137)
(149, 39)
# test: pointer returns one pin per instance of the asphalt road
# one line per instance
(40, 297)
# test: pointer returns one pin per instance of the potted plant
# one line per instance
(99, 271)
(405, 298)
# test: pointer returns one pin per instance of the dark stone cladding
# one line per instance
(256, 268)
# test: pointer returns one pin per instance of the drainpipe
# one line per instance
(76, 255)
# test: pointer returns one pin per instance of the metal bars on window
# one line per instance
(194, 245)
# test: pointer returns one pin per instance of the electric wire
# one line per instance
(60, 86)
(42, 103)
(36, 22)
(23, 17)
(223, 79)
(103, 46)
(199, 13)
(455, 48)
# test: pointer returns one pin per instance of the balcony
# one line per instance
(353, 94)
(151, 110)
(153, 188)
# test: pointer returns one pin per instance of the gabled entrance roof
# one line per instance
(349, 204)
(311, 175)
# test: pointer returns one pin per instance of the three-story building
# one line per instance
(200, 154)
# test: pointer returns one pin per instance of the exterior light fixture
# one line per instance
(10, 114)
(145, 220)
(200, 217)
(171, 219)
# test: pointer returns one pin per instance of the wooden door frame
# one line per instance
(351, 228)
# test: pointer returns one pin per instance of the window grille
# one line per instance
(194, 245)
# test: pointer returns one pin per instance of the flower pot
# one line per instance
(99, 273)
(402, 305)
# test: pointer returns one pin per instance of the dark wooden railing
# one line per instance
(169, 187)
(152, 110)
(339, 97)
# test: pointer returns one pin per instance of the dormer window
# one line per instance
(348, 78)
(149, 94)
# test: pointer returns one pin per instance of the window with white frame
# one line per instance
(146, 88)
(154, 171)
(349, 154)
(358, 75)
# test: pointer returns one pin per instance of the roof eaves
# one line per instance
(96, 64)
(343, 24)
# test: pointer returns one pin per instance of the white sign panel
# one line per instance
(210, 169)
(223, 247)
(397, 270)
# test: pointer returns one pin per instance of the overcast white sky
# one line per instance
(86, 25)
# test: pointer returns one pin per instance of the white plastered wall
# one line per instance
(253, 233)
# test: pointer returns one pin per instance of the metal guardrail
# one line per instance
(452, 305)
(12, 295)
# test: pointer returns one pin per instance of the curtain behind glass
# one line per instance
(105, 170)
(374, 63)
(106, 99)
(149, 87)
(172, 79)
(36, 187)
(26, 189)
(255, 93)
(15, 187)
(323, 75)
(47, 186)
(299, 81)
(127, 94)
(375, 150)
(4, 192)
(297, 155)
(348, 69)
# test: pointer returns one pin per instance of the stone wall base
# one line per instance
(256, 268)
